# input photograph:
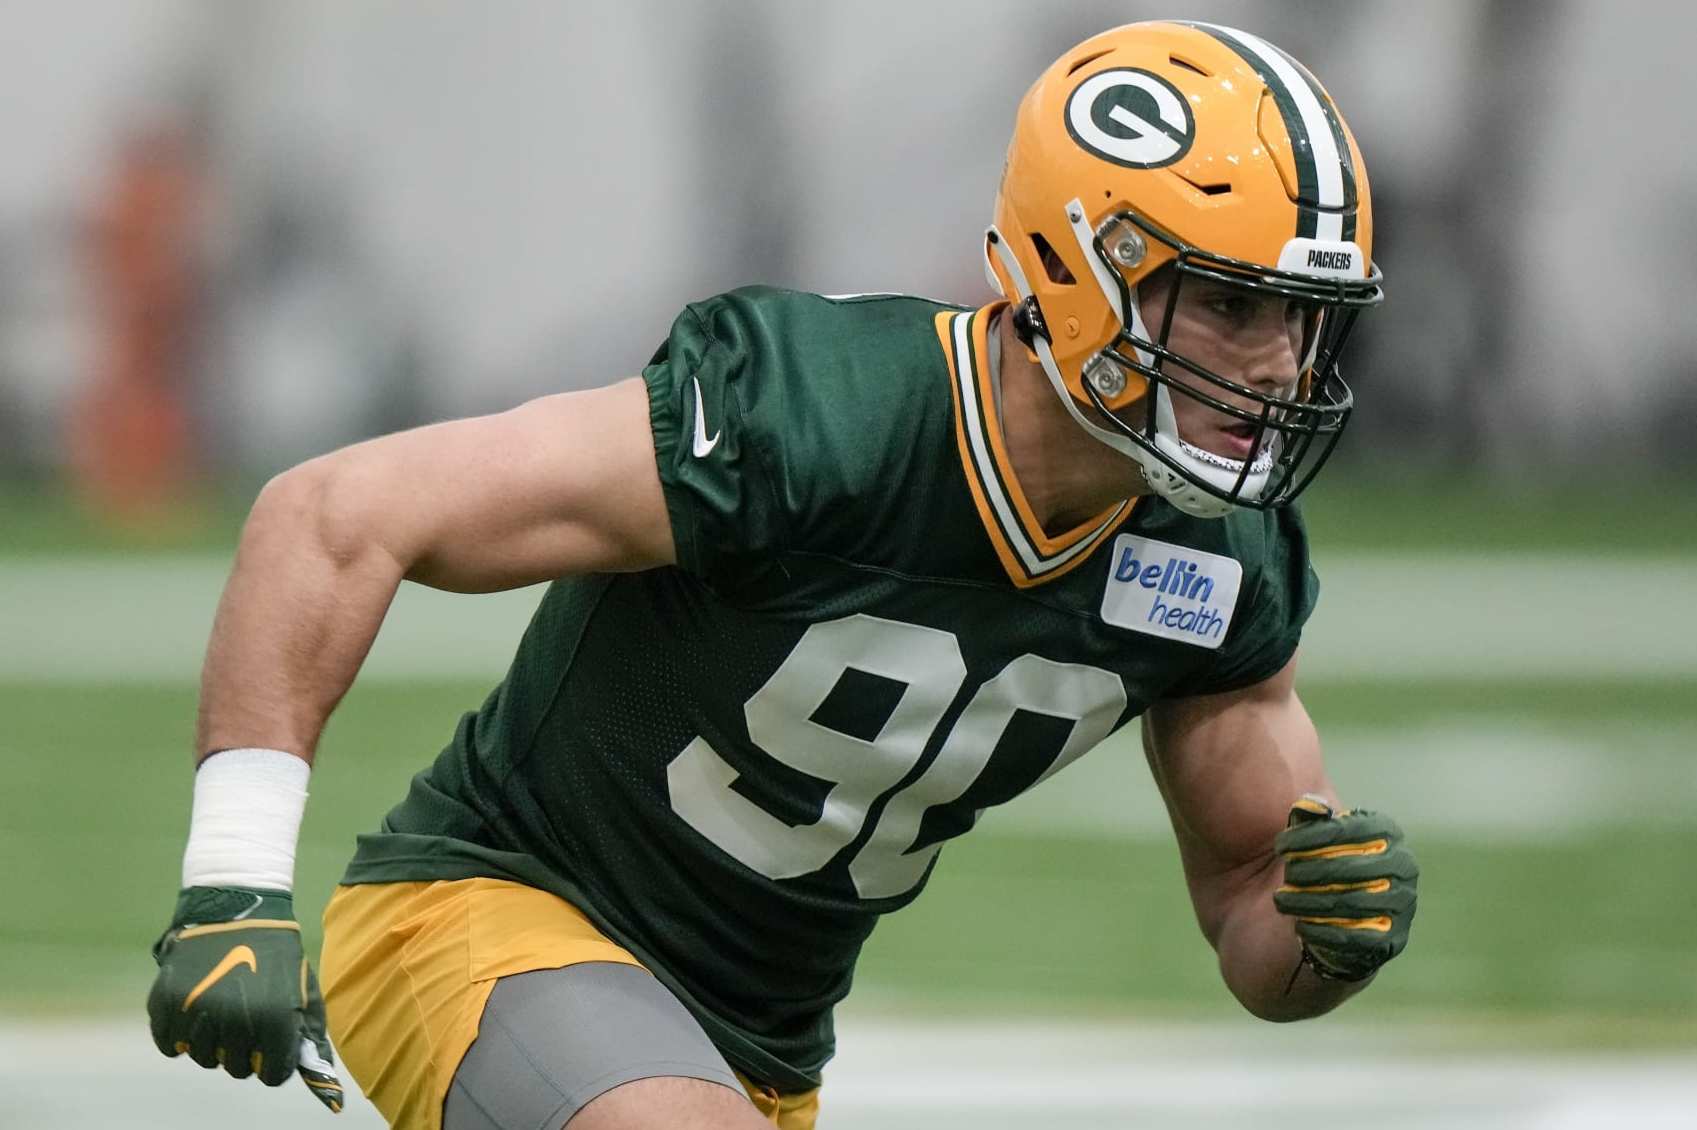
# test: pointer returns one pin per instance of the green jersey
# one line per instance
(734, 765)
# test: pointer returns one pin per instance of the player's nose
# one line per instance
(1270, 366)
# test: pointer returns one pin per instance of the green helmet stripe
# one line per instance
(1346, 161)
(1314, 190)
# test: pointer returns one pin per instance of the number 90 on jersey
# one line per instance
(927, 665)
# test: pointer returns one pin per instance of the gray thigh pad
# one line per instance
(554, 1039)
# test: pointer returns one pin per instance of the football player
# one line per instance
(830, 577)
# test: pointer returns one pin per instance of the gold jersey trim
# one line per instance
(1029, 556)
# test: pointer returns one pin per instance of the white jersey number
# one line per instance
(928, 663)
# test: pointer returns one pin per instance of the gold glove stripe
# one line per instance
(1342, 851)
(330, 1090)
(247, 924)
(1379, 925)
(1371, 886)
(237, 957)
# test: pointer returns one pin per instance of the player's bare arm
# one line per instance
(564, 484)
(1230, 767)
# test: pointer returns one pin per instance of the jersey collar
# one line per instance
(1029, 555)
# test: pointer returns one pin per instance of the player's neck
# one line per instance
(1067, 477)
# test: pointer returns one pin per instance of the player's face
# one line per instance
(1255, 340)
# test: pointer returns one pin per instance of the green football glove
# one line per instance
(235, 991)
(1350, 884)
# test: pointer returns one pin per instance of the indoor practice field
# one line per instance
(1540, 758)
(236, 237)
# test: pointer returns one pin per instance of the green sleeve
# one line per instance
(1268, 627)
(716, 477)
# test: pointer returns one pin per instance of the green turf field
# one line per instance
(1583, 937)
(1555, 817)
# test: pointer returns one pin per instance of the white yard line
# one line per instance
(85, 619)
(97, 620)
(987, 1075)
(93, 619)
(1447, 776)
(1503, 615)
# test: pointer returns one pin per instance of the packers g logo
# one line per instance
(1131, 117)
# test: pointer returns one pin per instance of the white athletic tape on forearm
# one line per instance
(248, 805)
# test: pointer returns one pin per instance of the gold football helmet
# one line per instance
(1212, 151)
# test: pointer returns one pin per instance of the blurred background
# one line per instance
(234, 234)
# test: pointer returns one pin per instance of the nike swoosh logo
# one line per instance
(257, 900)
(240, 955)
(703, 445)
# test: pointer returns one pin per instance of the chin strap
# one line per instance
(1215, 470)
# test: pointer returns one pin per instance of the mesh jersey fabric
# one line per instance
(837, 595)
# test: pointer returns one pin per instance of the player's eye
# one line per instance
(1237, 309)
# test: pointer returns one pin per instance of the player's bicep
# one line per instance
(1228, 767)
(563, 484)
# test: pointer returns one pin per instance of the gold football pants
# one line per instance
(408, 967)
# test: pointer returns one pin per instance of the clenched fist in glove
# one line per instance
(234, 991)
(1350, 884)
